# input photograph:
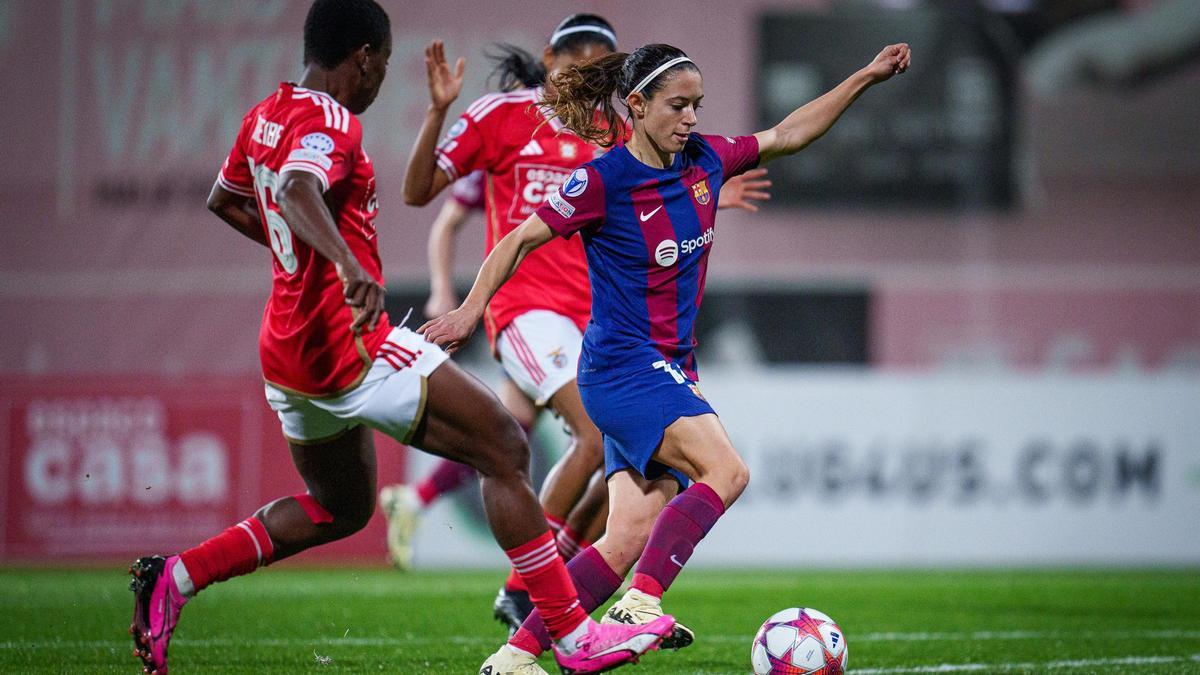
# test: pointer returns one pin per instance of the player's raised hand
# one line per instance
(363, 294)
(742, 191)
(444, 84)
(450, 330)
(893, 60)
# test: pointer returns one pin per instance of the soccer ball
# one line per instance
(799, 641)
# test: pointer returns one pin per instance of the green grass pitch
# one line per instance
(296, 619)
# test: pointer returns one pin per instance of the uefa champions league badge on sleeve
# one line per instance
(318, 142)
(457, 130)
(576, 184)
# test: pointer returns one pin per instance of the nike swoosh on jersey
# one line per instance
(647, 216)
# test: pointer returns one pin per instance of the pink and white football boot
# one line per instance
(608, 646)
(156, 604)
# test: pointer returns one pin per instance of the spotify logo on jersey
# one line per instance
(666, 253)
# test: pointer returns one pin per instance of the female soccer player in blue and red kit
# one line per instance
(645, 212)
(536, 322)
(299, 182)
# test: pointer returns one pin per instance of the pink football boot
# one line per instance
(608, 646)
(156, 605)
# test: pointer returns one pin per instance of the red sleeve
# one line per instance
(468, 190)
(462, 149)
(326, 151)
(738, 153)
(235, 172)
(577, 205)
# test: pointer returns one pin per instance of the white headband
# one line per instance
(560, 34)
(659, 71)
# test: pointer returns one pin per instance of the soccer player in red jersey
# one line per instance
(646, 216)
(535, 322)
(299, 182)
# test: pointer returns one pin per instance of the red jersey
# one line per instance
(526, 159)
(305, 343)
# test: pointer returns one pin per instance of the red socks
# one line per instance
(550, 588)
(240, 549)
(570, 543)
(513, 582)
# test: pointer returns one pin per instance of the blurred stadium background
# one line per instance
(965, 332)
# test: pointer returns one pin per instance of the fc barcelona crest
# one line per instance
(700, 192)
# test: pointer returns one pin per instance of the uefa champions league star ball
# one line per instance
(799, 641)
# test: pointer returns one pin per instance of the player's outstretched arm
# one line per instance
(303, 206)
(442, 298)
(422, 180)
(813, 119)
(452, 329)
(239, 211)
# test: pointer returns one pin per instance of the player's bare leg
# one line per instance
(569, 478)
(402, 505)
(340, 477)
(465, 422)
(512, 603)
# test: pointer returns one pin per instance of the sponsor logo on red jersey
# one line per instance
(534, 184)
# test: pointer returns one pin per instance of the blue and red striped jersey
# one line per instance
(647, 233)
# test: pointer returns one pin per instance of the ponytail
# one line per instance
(515, 68)
(579, 91)
(582, 91)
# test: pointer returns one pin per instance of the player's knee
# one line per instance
(625, 541)
(354, 515)
(345, 516)
(739, 478)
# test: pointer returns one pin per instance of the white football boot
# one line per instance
(635, 607)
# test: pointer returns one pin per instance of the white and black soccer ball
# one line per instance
(799, 641)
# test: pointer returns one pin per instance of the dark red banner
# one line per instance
(112, 467)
